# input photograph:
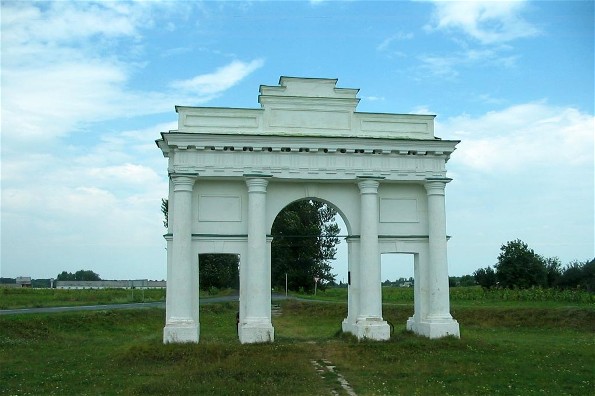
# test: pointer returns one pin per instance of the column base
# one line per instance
(258, 332)
(181, 332)
(372, 329)
(434, 327)
(348, 326)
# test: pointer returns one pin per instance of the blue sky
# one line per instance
(88, 86)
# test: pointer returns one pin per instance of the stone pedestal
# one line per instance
(434, 328)
(257, 331)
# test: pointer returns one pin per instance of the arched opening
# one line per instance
(306, 236)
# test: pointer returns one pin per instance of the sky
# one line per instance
(86, 88)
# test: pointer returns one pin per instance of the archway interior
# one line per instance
(308, 249)
(306, 235)
(218, 272)
(341, 262)
(397, 269)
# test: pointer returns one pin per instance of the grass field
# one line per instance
(36, 298)
(514, 348)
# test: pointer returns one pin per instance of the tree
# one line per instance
(304, 239)
(588, 281)
(80, 275)
(461, 281)
(485, 277)
(467, 280)
(578, 275)
(165, 210)
(65, 276)
(553, 270)
(519, 267)
(218, 270)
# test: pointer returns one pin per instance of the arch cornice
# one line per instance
(299, 157)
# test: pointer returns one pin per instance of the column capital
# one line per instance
(257, 184)
(183, 181)
(368, 186)
(435, 186)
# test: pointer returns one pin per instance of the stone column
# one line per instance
(182, 322)
(256, 277)
(369, 321)
(439, 320)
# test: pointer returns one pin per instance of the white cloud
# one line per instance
(488, 22)
(100, 201)
(54, 77)
(373, 98)
(387, 42)
(41, 104)
(68, 64)
(421, 109)
(125, 173)
(524, 171)
(447, 66)
(522, 137)
(220, 80)
(67, 21)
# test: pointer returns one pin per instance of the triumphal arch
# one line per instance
(232, 170)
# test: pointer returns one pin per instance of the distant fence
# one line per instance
(111, 284)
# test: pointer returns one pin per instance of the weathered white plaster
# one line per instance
(233, 170)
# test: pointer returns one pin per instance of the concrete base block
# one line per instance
(253, 333)
(435, 328)
(372, 329)
(348, 326)
(174, 333)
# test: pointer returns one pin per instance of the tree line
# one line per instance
(519, 267)
(81, 275)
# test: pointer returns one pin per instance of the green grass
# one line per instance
(15, 298)
(502, 350)
(35, 298)
(459, 296)
(475, 296)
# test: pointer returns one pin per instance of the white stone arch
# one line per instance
(288, 193)
(233, 170)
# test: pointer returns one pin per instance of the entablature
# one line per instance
(307, 158)
(304, 144)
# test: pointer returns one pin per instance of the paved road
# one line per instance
(160, 304)
(80, 308)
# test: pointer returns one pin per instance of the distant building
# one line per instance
(23, 281)
(111, 284)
